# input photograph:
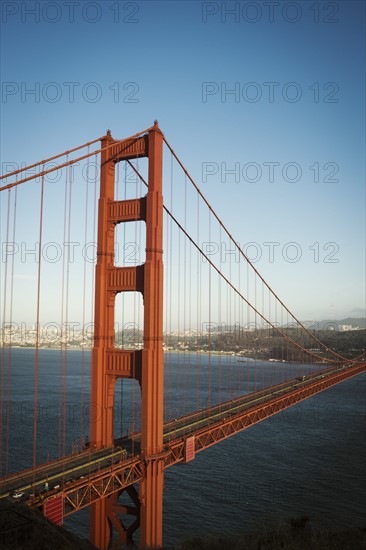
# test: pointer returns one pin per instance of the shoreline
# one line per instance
(78, 348)
(239, 358)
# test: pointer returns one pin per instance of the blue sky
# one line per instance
(178, 61)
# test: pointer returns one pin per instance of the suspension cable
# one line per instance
(68, 163)
(10, 342)
(243, 254)
(35, 396)
(5, 176)
(287, 338)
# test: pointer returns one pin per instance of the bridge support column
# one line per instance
(152, 383)
(151, 505)
(107, 363)
(100, 531)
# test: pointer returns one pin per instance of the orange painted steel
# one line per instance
(112, 479)
(101, 488)
(241, 252)
(125, 142)
(49, 159)
(151, 488)
(102, 484)
(147, 365)
(226, 427)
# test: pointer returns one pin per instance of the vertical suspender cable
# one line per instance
(171, 260)
(240, 304)
(94, 229)
(92, 264)
(185, 384)
(62, 329)
(10, 343)
(122, 295)
(2, 374)
(256, 335)
(249, 335)
(209, 320)
(35, 401)
(84, 308)
(167, 373)
(219, 335)
(67, 313)
(264, 334)
(190, 300)
(198, 308)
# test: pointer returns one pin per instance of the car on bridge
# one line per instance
(18, 495)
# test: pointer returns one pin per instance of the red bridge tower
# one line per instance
(146, 365)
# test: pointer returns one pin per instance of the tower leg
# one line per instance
(151, 488)
(99, 526)
(151, 505)
(110, 280)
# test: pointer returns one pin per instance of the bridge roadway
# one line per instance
(73, 476)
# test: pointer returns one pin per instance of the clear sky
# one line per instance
(263, 101)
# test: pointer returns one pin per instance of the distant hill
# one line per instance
(325, 324)
(359, 322)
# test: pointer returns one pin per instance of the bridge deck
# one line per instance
(92, 473)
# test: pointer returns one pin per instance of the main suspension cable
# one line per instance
(256, 311)
(68, 163)
(244, 255)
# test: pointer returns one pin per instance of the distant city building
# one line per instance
(344, 328)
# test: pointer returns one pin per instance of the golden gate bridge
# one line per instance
(179, 284)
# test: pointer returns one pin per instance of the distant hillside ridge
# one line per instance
(354, 322)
